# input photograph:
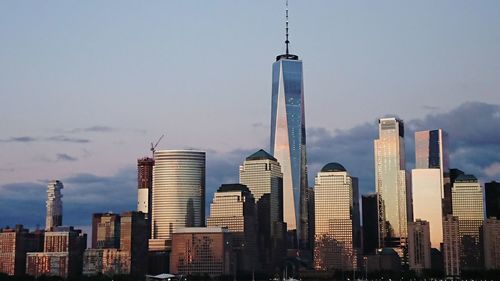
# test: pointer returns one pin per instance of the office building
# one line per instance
(261, 173)
(492, 198)
(233, 207)
(54, 205)
(419, 246)
(451, 246)
(144, 184)
(336, 219)
(467, 202)
(105, 230)
(202, 250)
(178, 194)
(62, 254)
(427, 201)
(371, 223)
(288, 142)
(491, 243)
(14, 244)
(390, 183)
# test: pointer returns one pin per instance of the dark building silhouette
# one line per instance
(492, 195)
(371, 240)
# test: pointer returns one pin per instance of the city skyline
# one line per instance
(69, 150)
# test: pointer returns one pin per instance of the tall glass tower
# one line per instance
(288, 140)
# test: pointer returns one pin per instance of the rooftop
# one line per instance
(261, 155)
(333, 167)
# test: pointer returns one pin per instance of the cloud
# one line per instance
(62, 138)
(493, 170)
(93, 129)
(24, 139)
(65, 157)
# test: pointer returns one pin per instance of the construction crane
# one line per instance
(153, 146)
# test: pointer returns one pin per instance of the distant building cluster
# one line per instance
(430, 218)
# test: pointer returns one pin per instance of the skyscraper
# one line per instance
(288, 140)
(178, 194)
(261, 173)
(144, 184)
(390, 182)
(336, 243)
(419, 245)
(491, 243)
(451, 246)
(105, 230)
(371, 223)
(54, 205)
(233, 207)
(492, 196)
(467, 196)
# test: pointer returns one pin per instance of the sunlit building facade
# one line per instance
(426, 192)
(54, 205)
(261, 173)
(178, 199)
(467, 201)
(451, 246)
(105, 230)
(336, 219)
(233, 207)
(288, 142)
(14, 244)
(144, 184)
(390, 182)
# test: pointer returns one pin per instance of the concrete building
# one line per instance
(178, 199)
(391, 184)
(14, 244)
(105, 230)
(419, 245)
(491, 243)
(233, 207)
(54, 205)
(62, 254)
(337, 218)
(202, 250)
(145, 186)
(467, 201)
(451, 246)
(261, 173)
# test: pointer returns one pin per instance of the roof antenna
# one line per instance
(287, 41)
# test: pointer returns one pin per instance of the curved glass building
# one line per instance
(178, 192)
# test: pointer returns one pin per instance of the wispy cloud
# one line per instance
(24, 139)
(62, 138)
(65, 157)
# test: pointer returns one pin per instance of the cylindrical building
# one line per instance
(178, 199)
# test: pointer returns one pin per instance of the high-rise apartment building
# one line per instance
(178, 194)
(288, 141)
(427, 201)
(14, 244)
(54, 205)
(492, 198)
(105, 230)
(390, 183)
(467, 202)
(451, 246)
(202, 250)
(233, 207)
(371, 223)
(336, 219)
(419, 245)
(491, 243)
(144, 184)
(261, 173)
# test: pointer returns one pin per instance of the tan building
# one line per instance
(419, 245)
(467, 202)
(451, 246)
(14, 244)
(336, 212)
(62, 254)
(105, 230)
(233, 207)
(201, 250)
(491, 243)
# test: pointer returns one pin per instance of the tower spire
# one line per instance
(286, 28)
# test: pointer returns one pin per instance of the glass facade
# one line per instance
(288, 141)
(390, 182)
(178, 192)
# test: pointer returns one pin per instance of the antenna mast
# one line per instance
(153, 146)
(286, 29)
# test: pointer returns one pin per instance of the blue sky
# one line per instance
(86, 86)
